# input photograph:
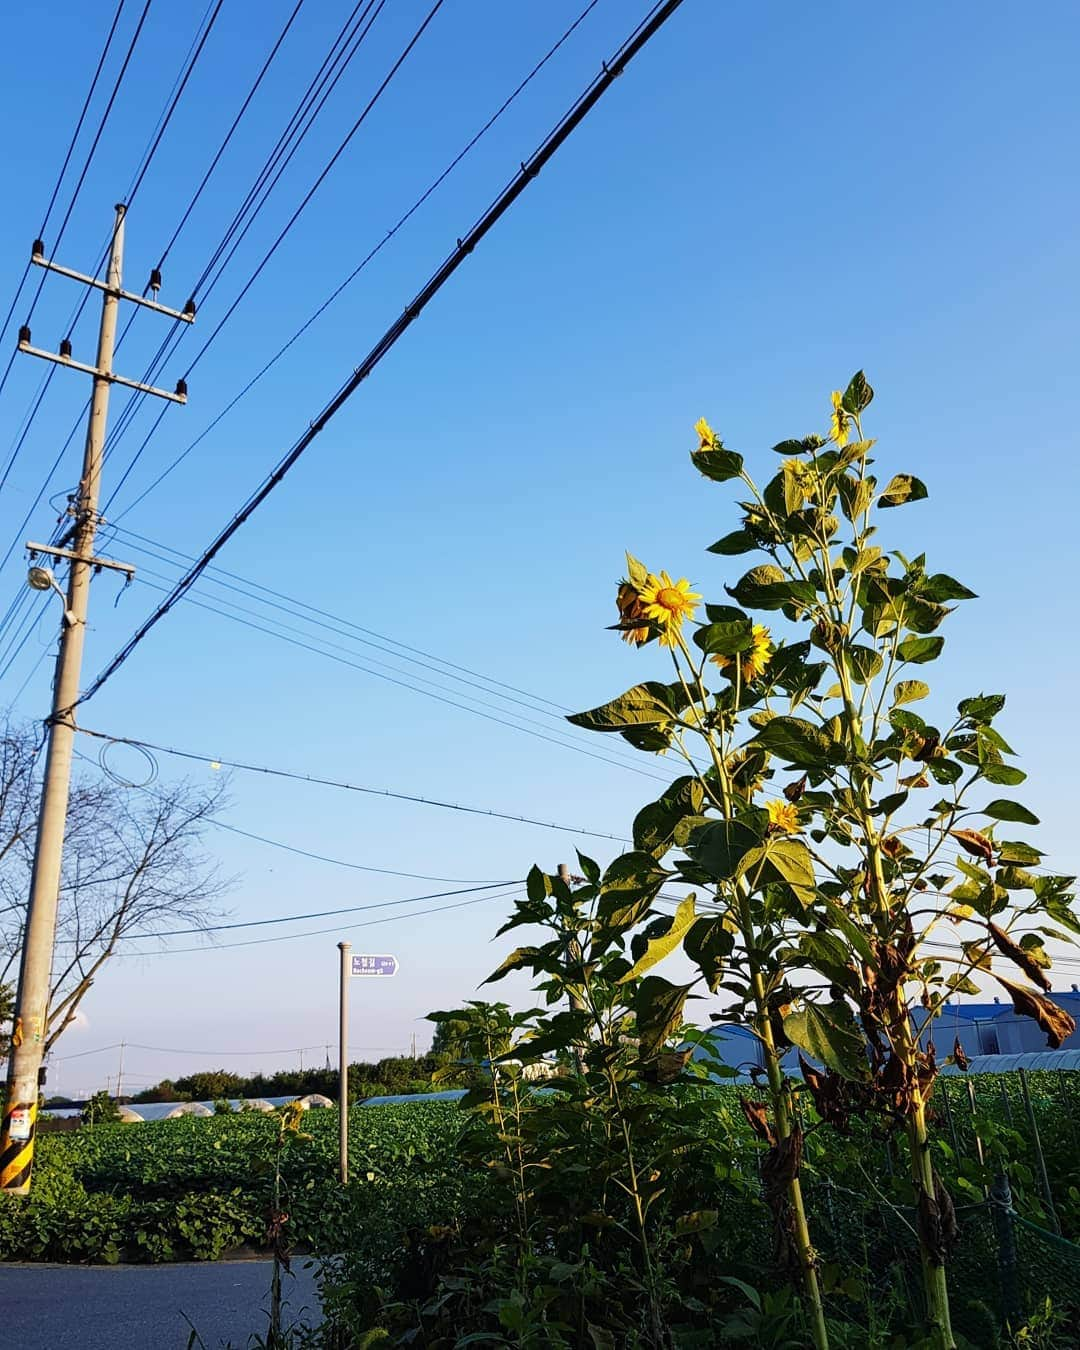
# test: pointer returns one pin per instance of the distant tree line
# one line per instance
(388, 1076)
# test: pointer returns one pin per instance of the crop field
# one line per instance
(195, 1189)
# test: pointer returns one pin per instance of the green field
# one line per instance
(202, 1188)
(195, 1189)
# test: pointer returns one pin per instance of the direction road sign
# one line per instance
(374, 965)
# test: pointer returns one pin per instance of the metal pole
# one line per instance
(1040, 1161)
(35, 973)
(979, 1152)
(120, 1073)
(343, 1063)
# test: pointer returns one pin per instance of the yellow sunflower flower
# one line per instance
(840, 425)
(754, 660)
(706, 435)
(783, 816)
(667, 603)
(628, 601)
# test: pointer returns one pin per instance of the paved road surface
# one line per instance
(142, 1307)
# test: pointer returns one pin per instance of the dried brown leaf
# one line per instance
(757, 1116)
(1031, 968)
(978, 845)
(1051, 1017)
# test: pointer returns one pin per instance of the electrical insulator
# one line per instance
(155, 280)
(38, 250)
(65, 346)
(24, 333)
(181, 388)
(189, 308)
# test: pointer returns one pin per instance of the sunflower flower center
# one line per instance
(670, 598)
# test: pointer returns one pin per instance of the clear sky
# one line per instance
(771, 197)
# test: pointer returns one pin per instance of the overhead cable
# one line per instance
(61, 175)
(529, 170)
(321, 932)
(338, 290)
(217, 761)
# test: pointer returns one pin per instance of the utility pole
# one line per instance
(120, 1073)
(28, 1039)
(343, 1063)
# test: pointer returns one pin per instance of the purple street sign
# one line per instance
(374, 965)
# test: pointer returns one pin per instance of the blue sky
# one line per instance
(769, 199)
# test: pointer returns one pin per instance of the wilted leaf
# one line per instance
(757, 1117)
(1051, 1017)
(795, 790)
(1027, 962)
(978, 845)
(960, 1059)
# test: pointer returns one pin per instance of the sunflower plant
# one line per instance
(858, 856)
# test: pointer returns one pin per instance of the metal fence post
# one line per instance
(1002, 1212)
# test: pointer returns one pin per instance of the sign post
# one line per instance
(367, 967)
(343, 1064)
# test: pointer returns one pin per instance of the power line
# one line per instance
(311, 112)
(336, 862)
(529, 171)
(348, 787)
(317, 914)
(518, 725)
(63, 170)
(231, 131)
(336, 621)
(402, 220)
(339, 55)
(86, 164)
(317, 183)
(187, 68)
(320, 932)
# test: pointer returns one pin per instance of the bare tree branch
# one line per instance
(133, 865)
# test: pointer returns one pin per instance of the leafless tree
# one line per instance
(133, 866)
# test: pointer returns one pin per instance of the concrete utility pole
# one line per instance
(120, 1073)
(343, 1063)
(32, 1003)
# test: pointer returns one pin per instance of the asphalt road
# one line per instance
(143, 1307)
